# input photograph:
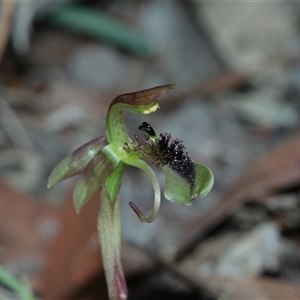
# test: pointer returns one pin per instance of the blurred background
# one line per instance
(236, 107)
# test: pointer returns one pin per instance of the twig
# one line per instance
(224, 82)
(14, 128)
(6, 17)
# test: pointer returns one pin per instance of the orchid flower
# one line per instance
(102, 161)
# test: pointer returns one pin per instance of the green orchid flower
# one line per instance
(102, 161)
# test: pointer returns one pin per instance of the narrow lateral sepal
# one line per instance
(75, 163)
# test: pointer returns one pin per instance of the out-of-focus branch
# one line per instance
(7, 10)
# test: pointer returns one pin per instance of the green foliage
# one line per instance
(19, 287)
(100, 25)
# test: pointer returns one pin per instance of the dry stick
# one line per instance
(226, 81)
(7, 9)
(14, 127)
(29, 158)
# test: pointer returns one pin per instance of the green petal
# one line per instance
(177, 189)
(157, 197)
(142, 102)
(114, 180)
(77, 161)
(92, 178)
(204, 181)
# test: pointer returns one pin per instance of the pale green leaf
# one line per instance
(75, 163)
(92, 178)
(177, 189)
(204, 181)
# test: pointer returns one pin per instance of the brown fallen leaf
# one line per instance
(57, 249)
(74, 259)
(22, 236)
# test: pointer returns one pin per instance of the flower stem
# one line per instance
(109, 230)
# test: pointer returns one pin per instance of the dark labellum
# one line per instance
(170, 152)
(174, 155)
